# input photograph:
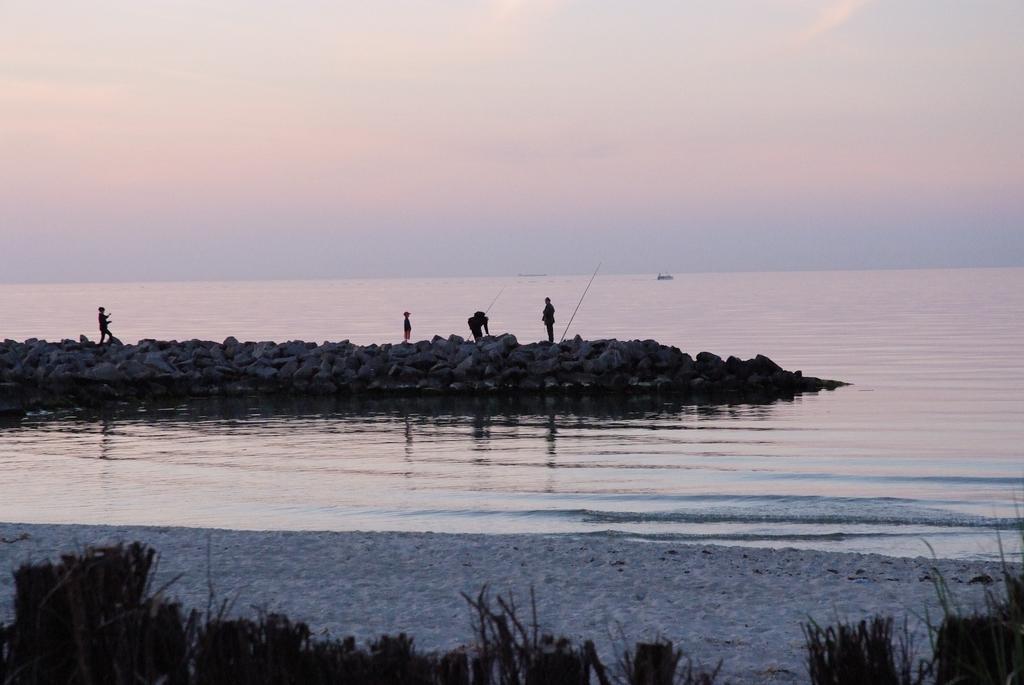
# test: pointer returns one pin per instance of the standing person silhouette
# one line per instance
(104, 319)
(548, 317)
(407, 326)
(477, 322)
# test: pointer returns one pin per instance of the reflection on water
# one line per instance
(641, 466)
(926, 445)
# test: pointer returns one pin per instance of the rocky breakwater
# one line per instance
(41, 374)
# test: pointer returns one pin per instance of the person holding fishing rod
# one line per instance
(478, 322)
(478, 325)
(548, 317)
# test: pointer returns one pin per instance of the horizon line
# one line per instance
(129, 281)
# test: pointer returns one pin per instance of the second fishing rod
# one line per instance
(574, 311)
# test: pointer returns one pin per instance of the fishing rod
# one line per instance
(580, 302)
(487, 311)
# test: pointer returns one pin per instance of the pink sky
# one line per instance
(628, 131)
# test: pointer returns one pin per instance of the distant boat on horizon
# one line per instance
(664, 277)
(530, 275)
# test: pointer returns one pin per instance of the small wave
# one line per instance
(772, 500)
(836, 514)
(1012, 481)
(940, 519)
(835, 536)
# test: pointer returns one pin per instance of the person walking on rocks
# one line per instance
(548, 317)
(478, 325)
(105, 333)
(408, 326)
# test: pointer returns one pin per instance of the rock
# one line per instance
(501, 345)
(294, 348)
(737, 367)
(341, 374)
(135, 370)
(421, 360)
(520, 357)
(61, 373)
(265, 349)
(765, 366)
(546, 350)
(461, 353)
(211, 375)
(610, 360)
(464, 368)
(106, 372)
(543, 367)
(571, 366)
(262, 371)
(241, 357)
(708, 358)
(402, 351)
(156, 361)
(286, 371)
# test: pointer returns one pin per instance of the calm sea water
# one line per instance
(927, 446)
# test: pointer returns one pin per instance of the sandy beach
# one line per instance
(742, 606)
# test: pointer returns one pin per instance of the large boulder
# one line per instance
(464, 369)
(135, 371)
(421, 360)
(157, 361)
(267, 349)
(306, 371)
(105, 372)
(737, 367)
(263, 372)
(543, 367)
(286, 371)
(764, 366)
(608, 361)
(708, 358)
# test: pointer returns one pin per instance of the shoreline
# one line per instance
(742, 605)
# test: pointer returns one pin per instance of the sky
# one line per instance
(184, 139)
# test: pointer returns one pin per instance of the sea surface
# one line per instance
(923, 454)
